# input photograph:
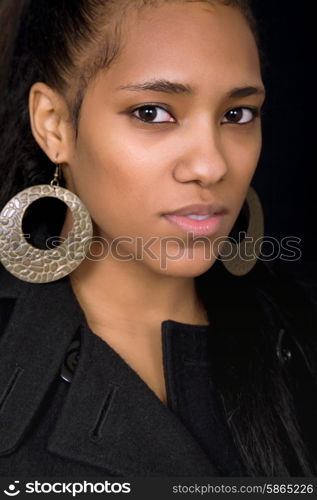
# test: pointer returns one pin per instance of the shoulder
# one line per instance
(48, 306)
(263, 314)
(292, 294)
(10, 286)
(10, 289)
(289, 296)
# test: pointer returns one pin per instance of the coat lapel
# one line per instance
(114, 421)
(32, 348)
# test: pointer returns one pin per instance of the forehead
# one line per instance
(194, 41)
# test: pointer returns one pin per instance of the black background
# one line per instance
(286, 176)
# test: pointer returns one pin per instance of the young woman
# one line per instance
(131, 347)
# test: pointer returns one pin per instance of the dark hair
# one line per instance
(47, 40)
(263, 353)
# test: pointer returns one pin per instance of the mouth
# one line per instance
(198, 219)
(195, 224)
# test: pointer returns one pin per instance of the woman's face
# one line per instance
(192, 138)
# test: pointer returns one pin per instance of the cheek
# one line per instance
(117, 183)
(242, 155)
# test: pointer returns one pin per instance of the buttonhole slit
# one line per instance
(11, 384)
(96, 432)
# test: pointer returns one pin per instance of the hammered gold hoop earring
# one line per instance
(36, 265)
(240, 258)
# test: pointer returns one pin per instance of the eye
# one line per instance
(150, 113)
(241, 116)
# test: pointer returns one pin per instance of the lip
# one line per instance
(200, 209)
(205, 227)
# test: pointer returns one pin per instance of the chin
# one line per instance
(185, 268)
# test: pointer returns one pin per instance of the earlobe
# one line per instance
(48, 117)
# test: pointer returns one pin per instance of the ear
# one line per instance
(50, 123)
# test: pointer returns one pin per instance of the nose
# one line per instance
(202, 158)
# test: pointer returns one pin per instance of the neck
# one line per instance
(125, 293)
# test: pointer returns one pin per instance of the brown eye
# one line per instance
(147, 113)
(240, 115)
(152, 114)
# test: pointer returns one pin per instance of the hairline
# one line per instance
(115, 42)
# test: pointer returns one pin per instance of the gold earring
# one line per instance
(36, 265)
(237, 260)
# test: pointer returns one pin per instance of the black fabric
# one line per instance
(192, 396)
(107, 420)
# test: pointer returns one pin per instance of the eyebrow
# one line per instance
(169, 87)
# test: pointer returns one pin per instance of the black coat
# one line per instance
(107, 421)
(104, 420)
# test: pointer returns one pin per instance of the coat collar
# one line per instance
(110, 419)
(113, 420)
